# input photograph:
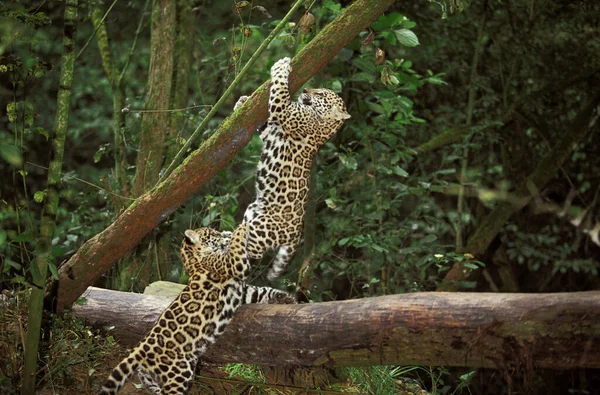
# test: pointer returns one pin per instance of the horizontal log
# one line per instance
(492, 330)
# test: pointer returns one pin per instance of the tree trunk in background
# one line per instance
(155, 120)
(491, 330)
(121, 183)
(100, 252)
(493, 223)
(43, 251)
(143, 265)
(183, 59)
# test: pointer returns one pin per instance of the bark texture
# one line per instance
(183, 60)
(505, 331)
(155, 122)
(104, 249)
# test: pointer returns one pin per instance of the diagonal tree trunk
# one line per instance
(43, 250)
(104, 249)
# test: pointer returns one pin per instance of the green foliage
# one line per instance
(543, 249)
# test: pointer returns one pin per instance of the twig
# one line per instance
(172, 110)
(96, 30)
(133, 45)
(83, 181)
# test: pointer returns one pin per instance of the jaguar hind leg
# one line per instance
(149, 381)
(267, 295)
(283, 258)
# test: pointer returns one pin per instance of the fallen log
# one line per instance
(492, 330)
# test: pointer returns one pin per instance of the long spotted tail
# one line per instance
(120, 375)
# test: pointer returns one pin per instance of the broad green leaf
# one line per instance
(406, 37)
(378, 248)
(389, 37)
(365, 64)
(81, 301)
(336, 86)
(400, 171)
(39, 196)
(25, 236)
(378, 108)
(429, 239)
(13, 264)
(343, 241)
(11, 154)
(363, 77)
(387, 21)
(53, 270)
(348, 162)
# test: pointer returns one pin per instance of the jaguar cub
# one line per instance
(293, 134)
(166, 359)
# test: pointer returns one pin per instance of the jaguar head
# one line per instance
(327, 105)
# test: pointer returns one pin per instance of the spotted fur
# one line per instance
(166, 359)
(293, 134)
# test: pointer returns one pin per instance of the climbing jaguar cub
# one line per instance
(293, 134)
(166, 359)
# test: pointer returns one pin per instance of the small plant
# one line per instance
(247, 372)
(71, 351)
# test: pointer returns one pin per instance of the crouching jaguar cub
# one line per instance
(293, 134)
(166, 359)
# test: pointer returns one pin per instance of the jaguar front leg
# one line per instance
(279, 97)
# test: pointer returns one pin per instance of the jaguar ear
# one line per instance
(339, 114)
(192, 236)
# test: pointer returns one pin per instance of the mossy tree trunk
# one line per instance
(103, 250)
(183, 60)
(120, 182)
(155, 121)
(43, 251)
(493, 223)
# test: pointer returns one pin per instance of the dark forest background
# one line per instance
(473, 144)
